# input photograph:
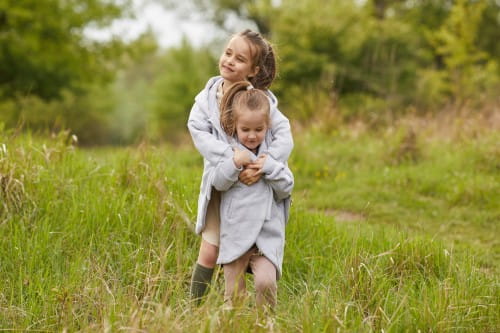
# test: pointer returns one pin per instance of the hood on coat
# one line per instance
(211, 89)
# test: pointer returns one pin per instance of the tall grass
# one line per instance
(101, 240)
(446, 188)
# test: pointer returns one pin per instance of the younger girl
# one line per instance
(252, 218)
(247, 56)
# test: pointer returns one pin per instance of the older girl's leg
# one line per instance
(203, 271)
(209, 250)
(207, 256)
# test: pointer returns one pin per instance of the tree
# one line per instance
(183, 72)
(468, 69)
(43, 49)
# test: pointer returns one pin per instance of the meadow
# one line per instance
(392, 229)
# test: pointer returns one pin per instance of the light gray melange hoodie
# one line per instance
(214, 145)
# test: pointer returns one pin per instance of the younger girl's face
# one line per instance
(251, 127)
(236, 63)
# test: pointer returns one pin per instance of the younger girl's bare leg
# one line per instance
(234, 276)
(265, 281)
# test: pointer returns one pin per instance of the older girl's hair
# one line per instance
(262, 56)
(242, 95)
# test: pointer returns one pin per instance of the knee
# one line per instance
(208, 254)
(265, 284)
(207, 258)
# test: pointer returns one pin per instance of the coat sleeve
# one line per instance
(225, 175)
(281, 145)
(279, 176)
(202, 133)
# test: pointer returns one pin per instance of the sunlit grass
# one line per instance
(101, 239)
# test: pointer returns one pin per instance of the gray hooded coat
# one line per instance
(254, 214)
(214, 145)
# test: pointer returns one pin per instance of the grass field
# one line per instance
(391, 230)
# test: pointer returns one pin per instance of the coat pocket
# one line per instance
(229, 214)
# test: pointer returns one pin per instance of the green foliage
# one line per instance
(44, 50)
(182, 74)
(133, 93)
(489, 28)
(87, 116)
(468, 69)
(98, 113)
(346, 52)
(52, 76)
(432, 88)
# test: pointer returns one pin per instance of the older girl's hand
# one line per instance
(249, 176)
(253, 171)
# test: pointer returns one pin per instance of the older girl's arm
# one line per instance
(282, 141)
(279, 176)
(206, 143)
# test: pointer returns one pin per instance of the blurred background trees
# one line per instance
(49, 70)
(340, 60)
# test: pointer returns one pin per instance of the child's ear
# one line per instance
(255, 72)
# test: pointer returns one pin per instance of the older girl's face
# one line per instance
(236, 63)
(251, 128)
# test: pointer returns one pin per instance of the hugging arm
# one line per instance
(282, 141)
(201, 130)
(279, 176)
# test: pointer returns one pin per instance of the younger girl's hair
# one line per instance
(262, 56)
(242, 95)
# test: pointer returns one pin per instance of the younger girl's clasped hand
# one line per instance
(243, 158)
